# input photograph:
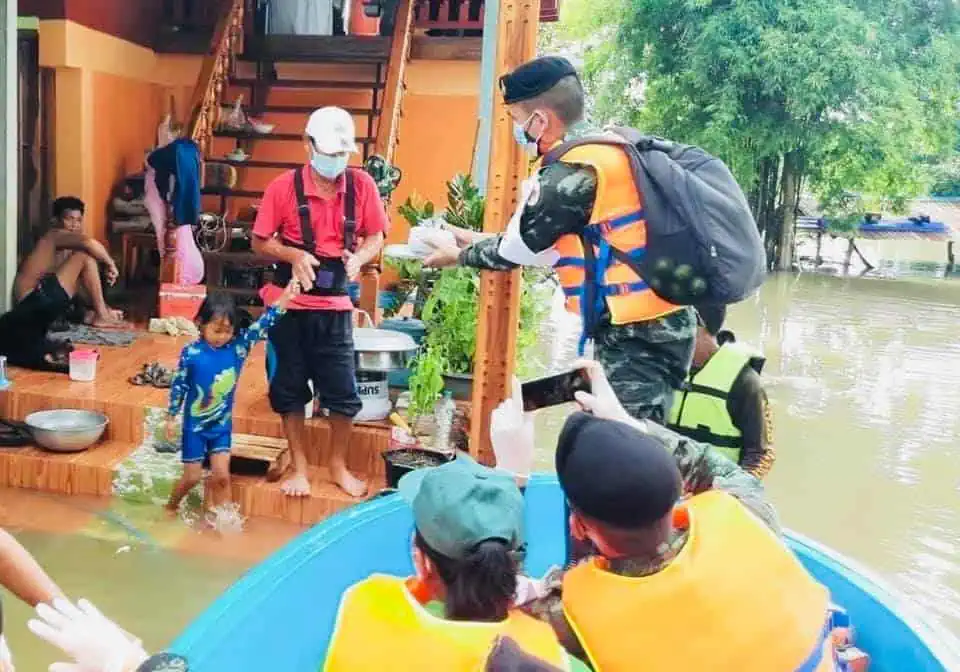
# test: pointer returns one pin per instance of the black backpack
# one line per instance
(703, 245)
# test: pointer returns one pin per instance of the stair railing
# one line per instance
(205, 108)
(215, 74)
(388, 130)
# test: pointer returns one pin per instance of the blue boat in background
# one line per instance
(280, 615)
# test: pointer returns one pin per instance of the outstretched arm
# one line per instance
(22, 575)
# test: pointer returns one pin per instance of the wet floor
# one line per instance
(864, 380)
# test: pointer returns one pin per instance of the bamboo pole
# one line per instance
(500, 292)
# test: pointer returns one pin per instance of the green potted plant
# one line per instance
(447, 302)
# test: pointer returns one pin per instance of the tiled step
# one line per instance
(308, 109)
(315, 49)
(259, 498)
(251, 135)
(310, 84)
(251, 163)
(241, 193)
(89, 472)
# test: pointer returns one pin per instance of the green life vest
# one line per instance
(699, 410)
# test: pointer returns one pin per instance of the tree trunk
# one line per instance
(789, 189)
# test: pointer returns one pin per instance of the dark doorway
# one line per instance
(34, 100)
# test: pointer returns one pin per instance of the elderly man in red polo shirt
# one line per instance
(322, 223)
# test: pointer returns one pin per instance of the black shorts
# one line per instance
(23, 330)
(317, 346)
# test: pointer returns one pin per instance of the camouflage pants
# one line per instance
(646, 362)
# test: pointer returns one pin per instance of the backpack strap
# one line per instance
(303, 212)
(350, 214)
(632, 151)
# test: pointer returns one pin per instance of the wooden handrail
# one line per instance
(466, 14)
(388, 131)
(208, 93)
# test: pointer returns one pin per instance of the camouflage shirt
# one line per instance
(564, 205)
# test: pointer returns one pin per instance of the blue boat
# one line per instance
(280, 615)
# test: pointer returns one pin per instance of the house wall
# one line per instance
(437, 131)
(111, 95)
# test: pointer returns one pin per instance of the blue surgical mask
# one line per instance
(327, 166)
(529, 144)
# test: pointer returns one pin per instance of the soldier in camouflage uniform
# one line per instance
(645, 361)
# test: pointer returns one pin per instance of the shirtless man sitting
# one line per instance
(44, 289)
(68, 212)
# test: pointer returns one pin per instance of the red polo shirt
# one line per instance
(278, 216)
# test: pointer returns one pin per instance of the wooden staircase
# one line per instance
(282, 81)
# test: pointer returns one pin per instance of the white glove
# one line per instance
(602, 401)
(95, 643)
(511, 433)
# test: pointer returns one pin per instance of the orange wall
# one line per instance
(120, 139)
(437, 132)
(110, 97)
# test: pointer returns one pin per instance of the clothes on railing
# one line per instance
(304, 17)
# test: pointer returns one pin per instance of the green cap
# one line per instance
(461, 504)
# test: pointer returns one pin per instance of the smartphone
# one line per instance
(554, 390)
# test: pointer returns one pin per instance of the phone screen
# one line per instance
(554, 390)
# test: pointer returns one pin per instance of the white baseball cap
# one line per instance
(332, 130)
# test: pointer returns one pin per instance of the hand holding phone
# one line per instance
(554, 390)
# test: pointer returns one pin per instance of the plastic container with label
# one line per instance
(83, 365)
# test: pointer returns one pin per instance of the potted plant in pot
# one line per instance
(447, 302)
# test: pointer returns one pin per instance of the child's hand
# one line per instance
(291, 290)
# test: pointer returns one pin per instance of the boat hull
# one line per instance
(280, 615)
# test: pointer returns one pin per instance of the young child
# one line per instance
(204, 387)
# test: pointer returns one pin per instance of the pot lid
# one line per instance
(366, 339)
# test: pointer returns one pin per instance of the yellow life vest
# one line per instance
(734, 598)
(381, 626)
(617, 221)
(699, 410)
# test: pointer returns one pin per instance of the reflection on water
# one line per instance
(864, 381)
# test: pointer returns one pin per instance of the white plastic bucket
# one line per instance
(374, 393)
(83, 365)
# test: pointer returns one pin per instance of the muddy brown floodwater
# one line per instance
(864, 380)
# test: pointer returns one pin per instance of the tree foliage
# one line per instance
(836, 96)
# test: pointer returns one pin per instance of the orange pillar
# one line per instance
(500, 292)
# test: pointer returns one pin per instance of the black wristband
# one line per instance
(164, 662)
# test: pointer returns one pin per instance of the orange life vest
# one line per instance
(381, 626)
(734, 598)
(617, 221)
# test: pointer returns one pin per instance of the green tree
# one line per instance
(831, 95)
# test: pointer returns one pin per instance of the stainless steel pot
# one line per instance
(382, 350)
(66, 430)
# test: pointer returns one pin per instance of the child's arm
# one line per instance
(179, 386)
(258, 328)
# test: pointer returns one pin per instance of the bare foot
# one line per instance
(296, 486)
(112, 319)
(349, 483)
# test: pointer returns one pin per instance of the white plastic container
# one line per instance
(374, 393)
(83, 365)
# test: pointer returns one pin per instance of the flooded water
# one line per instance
(864, 380)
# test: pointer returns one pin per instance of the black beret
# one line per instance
(614, 473)
(534, 78)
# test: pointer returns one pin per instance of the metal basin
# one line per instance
(382, 350)
(66, 430)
